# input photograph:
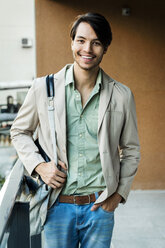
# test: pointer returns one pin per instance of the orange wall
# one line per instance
(136, 57)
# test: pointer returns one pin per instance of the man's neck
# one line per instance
(85, 79)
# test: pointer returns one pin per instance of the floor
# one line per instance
(140, 223)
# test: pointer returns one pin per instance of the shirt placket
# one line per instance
(81, 136)
(81, 141)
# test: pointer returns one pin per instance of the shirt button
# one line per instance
(80, 154)
(80, 135)
(79, 174)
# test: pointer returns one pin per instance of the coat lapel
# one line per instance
(59, 103)
(105, 97)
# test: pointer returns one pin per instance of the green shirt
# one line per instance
(85, 171)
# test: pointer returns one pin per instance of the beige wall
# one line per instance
(136, 58)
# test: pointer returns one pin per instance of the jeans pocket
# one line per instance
(105, 211)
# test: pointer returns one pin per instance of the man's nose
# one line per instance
(88, 47)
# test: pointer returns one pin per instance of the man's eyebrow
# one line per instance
(81, 37)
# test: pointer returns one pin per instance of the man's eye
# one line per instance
(96, 43)
(80, 41)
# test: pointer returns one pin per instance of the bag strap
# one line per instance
(50, 95)
(50, 85)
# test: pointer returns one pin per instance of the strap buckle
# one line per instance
(50, 103)
(74, 200)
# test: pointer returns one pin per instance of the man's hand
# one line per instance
(110, 204)
(51, 175)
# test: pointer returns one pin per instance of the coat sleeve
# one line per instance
(22, 132)
(129, 149)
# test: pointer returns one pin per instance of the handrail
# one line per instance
(15, 84)
(7, 116)
(8, 195)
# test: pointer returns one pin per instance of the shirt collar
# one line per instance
(99, 80)
(69, 78)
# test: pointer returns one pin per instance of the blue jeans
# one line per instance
(67, 225)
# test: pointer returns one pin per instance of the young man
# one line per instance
(97, 142)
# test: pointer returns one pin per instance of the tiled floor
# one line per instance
(140, 223)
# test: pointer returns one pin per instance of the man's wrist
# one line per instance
(38, 168)
(118, 196)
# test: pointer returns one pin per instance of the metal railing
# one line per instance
(15, 85)
(14, 216)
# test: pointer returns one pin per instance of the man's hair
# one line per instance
(99, 24)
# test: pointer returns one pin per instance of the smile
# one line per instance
(86, 57)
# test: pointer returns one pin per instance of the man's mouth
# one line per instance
(86, 57)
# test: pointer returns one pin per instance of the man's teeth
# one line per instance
(87, 57)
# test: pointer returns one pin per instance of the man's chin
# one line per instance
(87, 67)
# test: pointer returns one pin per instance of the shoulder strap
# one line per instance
(50, 95)
(50, 85)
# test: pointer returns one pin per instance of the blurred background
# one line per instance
(34, 41)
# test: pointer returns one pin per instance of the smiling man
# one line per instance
(97, 142)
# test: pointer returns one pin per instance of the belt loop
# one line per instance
(96, 195)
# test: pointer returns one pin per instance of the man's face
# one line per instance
(87, 50)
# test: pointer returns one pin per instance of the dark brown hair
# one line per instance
(99, 24)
